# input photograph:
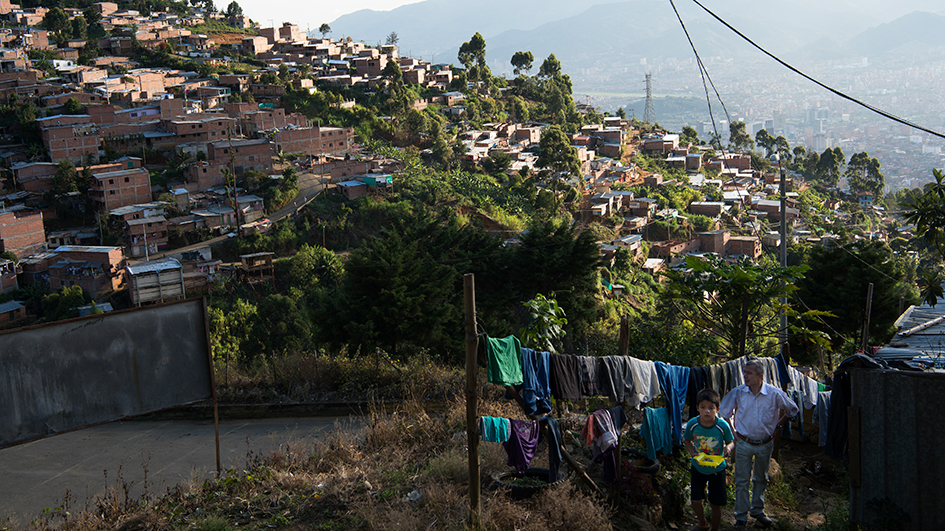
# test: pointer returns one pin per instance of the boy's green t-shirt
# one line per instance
(709, 441)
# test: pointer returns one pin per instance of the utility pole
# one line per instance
(783, 335)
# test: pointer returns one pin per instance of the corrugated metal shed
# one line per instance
(921, 335)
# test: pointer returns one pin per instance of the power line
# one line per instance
(705, 74)
(822, 85)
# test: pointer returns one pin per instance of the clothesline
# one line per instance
(535, 377)
(540, 376)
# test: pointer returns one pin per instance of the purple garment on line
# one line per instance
(522, 443)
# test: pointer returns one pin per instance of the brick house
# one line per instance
(642, 207)
(22, 233)
(70, 137)
(11, 311)
(715, 241)
(208, 129)
(243, 154)
(772, 208)
(8, 275)
(707, 208)
(150, 232)
(34, 176)
(745, 245)
(96, 269)
(314, 140)
(254, 45)
(113, 189)
(670, 248)
(660, 143)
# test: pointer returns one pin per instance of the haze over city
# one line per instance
(886, 54)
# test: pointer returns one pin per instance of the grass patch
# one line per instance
(406, 470)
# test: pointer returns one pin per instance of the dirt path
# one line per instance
(809, 488)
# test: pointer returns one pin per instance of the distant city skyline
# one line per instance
(307, 15)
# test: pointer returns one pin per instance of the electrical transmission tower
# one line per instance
(648, 112)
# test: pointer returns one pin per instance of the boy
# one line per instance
(710, 435)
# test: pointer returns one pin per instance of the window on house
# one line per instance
(111, 181)
(131, 164)
(111, 192)
(127, 179)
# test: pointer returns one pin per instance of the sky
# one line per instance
(305, 13)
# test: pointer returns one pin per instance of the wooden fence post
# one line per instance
(472, 401)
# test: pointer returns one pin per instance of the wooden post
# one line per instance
(866, 325)
(624, 344)
(472, 405)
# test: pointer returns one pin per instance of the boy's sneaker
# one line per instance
(763, 521)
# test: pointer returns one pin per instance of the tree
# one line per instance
(59, 305)
(497, 162)
(72, 106)
(829, 166)
(519, 109)
(392, 39)
(689, 134)
(313, 266)
(92, 17)
(324, 29)
(281, 325)
(765, 140)
(800, 153)
(782, 148)
(738, 302)
(57, 21)
(392, 72)
(290, 179)
(863, 174)
(80, 28)
(930, 287)
(522, 61)
(557, 153)
(738, 138)
(394, 293)
(848, 270)
(545, 327)
(473, 50)
(550, 67)
(927, 211)
(233, 10)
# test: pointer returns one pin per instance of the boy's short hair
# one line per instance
(708, 395)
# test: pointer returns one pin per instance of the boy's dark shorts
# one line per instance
(716, 482)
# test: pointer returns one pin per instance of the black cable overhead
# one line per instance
(818, 83)
(705, 74)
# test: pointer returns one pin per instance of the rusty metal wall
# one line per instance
(70, 374)
(898, 470)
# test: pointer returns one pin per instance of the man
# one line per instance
(756, 410)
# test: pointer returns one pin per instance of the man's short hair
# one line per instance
(708, 395)
(756, 363)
